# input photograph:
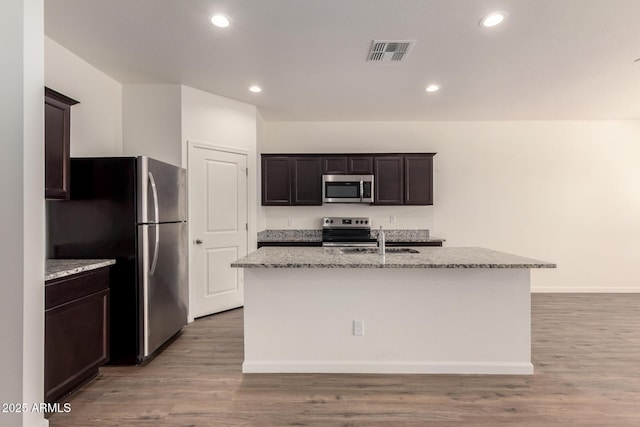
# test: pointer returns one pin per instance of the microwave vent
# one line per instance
(390, 51)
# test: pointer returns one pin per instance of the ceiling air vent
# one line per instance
(390, 51)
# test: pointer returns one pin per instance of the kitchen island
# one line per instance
(440, 310)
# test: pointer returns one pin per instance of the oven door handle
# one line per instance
(361, 190)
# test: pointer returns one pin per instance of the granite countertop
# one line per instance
(290, 236)
(391, 235)
(428, 257)
(56, 268)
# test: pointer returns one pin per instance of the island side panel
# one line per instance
(415, 320)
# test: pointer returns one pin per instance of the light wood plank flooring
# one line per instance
(586, 352)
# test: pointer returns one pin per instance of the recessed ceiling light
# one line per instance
(493, 19)
(220, 21)
(432, 88)
(255, 89)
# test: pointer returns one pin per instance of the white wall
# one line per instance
(22, 209)
(96, 122)
(261, 140)
(152, 122)
(219, 121)
(562, 191)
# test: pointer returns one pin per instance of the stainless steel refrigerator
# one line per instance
(132, 209)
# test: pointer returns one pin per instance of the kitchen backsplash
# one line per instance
(290, 236)
(417, 235)
(310, 217)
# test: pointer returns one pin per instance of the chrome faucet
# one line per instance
(381, 243)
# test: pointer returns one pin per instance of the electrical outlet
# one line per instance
(358, 328)
(392, 219)
(291, 223)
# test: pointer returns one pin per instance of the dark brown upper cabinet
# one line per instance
(306, 186)
(291, 180)
(57, 137)
(352, 165)
(418, 179)
(336, 165)
(296, 179)
(276, 181)
(360, 165)
(389, 180)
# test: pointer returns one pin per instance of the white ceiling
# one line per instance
(550, 60)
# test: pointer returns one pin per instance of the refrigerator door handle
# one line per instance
(154, 262)
(154, 191)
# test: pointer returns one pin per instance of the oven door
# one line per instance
(347, 237)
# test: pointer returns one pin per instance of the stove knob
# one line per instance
(331, 221)
(366, 221)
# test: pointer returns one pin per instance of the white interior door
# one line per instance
(218, 228)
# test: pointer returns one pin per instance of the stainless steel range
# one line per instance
(340, 231)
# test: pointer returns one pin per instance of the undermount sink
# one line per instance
(375, 251)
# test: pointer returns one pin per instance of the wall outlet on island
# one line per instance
(358, 328)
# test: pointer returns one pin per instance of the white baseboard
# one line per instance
(612, 290)
(395, 367)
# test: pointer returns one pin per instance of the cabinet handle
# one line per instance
(198, 242)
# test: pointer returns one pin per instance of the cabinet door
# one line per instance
(76, 331)
(307, 180)
(334, 165)
(342, 165)
(360, 165)
(57, 136)
(56, 149)
(389, 177)
(276, 181)
(76, 343)
(418, 180)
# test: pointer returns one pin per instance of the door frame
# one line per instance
(192, 144)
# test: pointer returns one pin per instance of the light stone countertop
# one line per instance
(428, 257)
(57, 268)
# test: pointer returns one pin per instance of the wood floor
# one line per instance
(586, 353)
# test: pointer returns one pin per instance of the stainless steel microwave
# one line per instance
(347, 188)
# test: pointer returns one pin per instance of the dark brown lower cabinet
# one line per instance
(76, 331)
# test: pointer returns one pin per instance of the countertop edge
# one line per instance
(425, 258)
(390, 240)
(58, 268)
(391, 265)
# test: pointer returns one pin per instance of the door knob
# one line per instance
(198, 242)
